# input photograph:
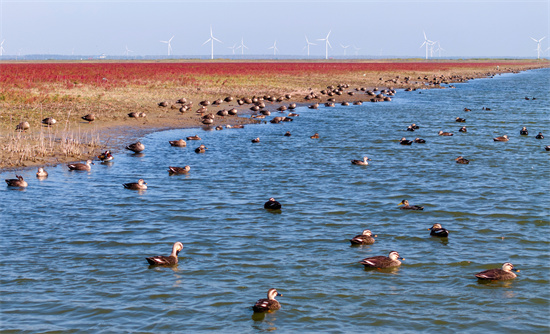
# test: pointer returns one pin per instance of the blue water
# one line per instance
(74, 245)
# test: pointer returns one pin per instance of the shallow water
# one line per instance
(74, 244)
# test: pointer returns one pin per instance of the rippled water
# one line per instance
(74, 244)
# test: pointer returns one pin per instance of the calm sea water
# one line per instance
(74, 245)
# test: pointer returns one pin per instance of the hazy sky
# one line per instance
(391, 27)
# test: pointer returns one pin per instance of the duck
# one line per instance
(462, 160)
(136, 147)
(498, 274)
(287, 134)
(201, 149)
(441, 133)
(315, 136)
(80, 166)
(414, 126)
(463, 129)
(49, 121)
(419, 140)
(256, 140)
(23, 126)
(178, 143)
(41, 173)
(410, 128)
(485, 108)
(406, 206)
(539, 136)
(381, 262)
(523, 131)
(195, 137)
(268, 304)
(547, 147)
(171, 260)
(272, 204)
(467, 109)
(89, 118)
(178, 170)
(139, 185)
(461, 120)
(501, 138)
(18, 182)
(363, 162)
(364, 238)
(105, 156)
(405, 141)
(438, 231)
(133, 114)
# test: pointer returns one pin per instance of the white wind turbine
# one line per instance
(345, 48)
(327, 44)
(356, 50)
(233, 48)
(439, 48)
(539, 49)
(212, 39)
(242, 46)
(307, 45)
(2, 47)
(427, 43)
(274, 47)
(128, 51)
(169, 45)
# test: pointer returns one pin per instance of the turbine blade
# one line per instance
(207, 41)
(329, 33)
(533, 39)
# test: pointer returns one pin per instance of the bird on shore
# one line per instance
(41, 173)
(89, 118)
(441, 133)
(498, 274)
(406, 206)
(381, 262)
(438, 231)
(523, 131)
(272, 204)
(462, 160)
(23, 126)
(364, 238)
(405, 141)
(178, 143)
(419, 141)
(49, 121)
(268, 304)
(18, 182)
(315, 136)
(178, 170)
(201, 149)
(105, 156)
(195, 137)
(539, 136)
(136, 147)
(172, 259)
(256, 140)
(463, 129)
(80, 166)
(139, 185)
(363, 162)
(501, 138)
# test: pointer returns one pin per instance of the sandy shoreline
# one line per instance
(113, 129)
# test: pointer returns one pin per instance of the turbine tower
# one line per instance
(539, 49)
(212, 39)
(242, 46)
(169, 45)
(327, 44)
(307, 45)
(345, 48)
(274, 47)
(2, 47)
(426, 43)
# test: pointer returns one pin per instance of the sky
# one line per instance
(370, 28)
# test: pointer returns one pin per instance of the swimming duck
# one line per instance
(462, 129)
(19, 182)
(499, 274)
(178, 143)
(365, 238)
(410, 128)
(523, 131)
(462, 120)
(105, 156)
(172, 259)
(136, 147)
(256, 140)
(41, 173)
(392, 260)
(405, 141)
(501, 138)
(461, 160)
(201, 149)
(272, 204)
(139, 185)
(438, 231)
(414, 126)
(466, 109)
(89, 118)
(178, 170)
(268, 304)
(23, 126)
(485, 108)
(406, 206)
(315, 136)
(49, 121)
(441, 133)
(287, 134)
(419, 141)
(80, 166)
(345, 104)
(195, 137)
(363, 162)
(539, 136)
(547, 147)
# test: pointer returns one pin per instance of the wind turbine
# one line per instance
(439, 48)
(356, 50)
(212, 39)
(327, 44)
(427, 43)
(539, 50)
(128, 51)
(345, 48)
(274, 47)
(233, 48)
(2, 47)
(307, 45)
(242, 46)
(169, 46)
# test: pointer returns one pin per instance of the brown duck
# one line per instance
(499, 274)
(178, 170)
(172, 259)
(406, 206)
(178, 143)
(381, 262)
(139, 185)
(80, 166)
(19, 182)
(268, 304)
(136, 147)
(365, 238)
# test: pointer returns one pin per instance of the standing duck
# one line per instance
(172, 259)
(136, 147)
(272, 204)
(441, 133)
(80, 166)
(49, 121)
(405, 141)
(499, 274)
(139, 185)
(105, 156)
(523, 131)
(89, 118)
(19, 182)
(381, 262)
(438, 231)
(178, 170)
(365, 238)
(23, 126)
(178, 143)
(501, 138)
(539, 136)
(363, 162)
(41, 173)
(462, 160)
(406, 206)
(201, 149)
(268, 304)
